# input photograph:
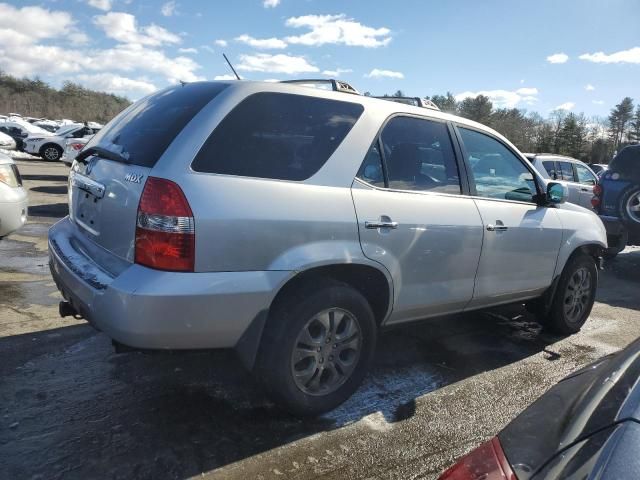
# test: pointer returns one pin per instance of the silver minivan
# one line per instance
(293, 223)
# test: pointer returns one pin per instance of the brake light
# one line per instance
(165, 230)
(595, 202)
(597, 189)
(487, 462)
(77, 146)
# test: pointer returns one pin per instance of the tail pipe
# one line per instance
(65, 309)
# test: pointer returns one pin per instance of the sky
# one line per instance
(577, 55)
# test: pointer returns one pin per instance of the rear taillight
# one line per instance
(165, 231)
(597, 193)
(77, 146)
(487, 462)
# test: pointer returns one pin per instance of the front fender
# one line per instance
(581, 227)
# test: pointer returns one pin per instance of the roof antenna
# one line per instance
(231, 66)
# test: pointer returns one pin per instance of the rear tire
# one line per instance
(316, 347)
(574, 296)
(51, 152)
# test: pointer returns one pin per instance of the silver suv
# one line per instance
(293, 223)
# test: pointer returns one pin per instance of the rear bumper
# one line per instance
(613, 225)
(145, 308)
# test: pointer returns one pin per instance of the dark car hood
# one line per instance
(592, 399)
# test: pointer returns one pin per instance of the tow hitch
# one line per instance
(67, 310)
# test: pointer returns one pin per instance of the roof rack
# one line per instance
(335, 85)
(415, 101)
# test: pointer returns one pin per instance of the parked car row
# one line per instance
(294, 223)
(38, 138)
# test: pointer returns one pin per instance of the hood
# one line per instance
(591, 399)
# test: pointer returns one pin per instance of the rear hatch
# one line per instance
(108, 177)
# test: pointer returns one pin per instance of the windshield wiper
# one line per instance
(102, 152)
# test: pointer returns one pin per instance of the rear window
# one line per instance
(143, 131)
(277, 135)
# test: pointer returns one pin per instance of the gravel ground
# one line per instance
(72, 408)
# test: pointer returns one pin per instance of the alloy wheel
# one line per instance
(633, 206)
(51, 153)
(326, 352)
(577, 295)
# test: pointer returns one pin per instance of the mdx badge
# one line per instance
(133, 177)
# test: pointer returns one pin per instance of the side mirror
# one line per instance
(557, 193)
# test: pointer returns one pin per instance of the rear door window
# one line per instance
(565, 171)
(419, 156)
(277, 135)
(143, 131)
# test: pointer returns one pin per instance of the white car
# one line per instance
(576, 175)
(72, 148)
(20, 130)
(52, 147)
(13, 197)
(6, 142)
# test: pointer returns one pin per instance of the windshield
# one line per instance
(142, 132)
(67, 129)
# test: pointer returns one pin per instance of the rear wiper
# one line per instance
(102, 152)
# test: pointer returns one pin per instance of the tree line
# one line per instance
(35, 98)
(590, 139)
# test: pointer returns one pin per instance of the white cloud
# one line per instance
(104, 5)
(589, 88)
(504, 98)
(168, 9)
(207, 48)
(108, 82)
(281, 63)
(261, 42)
(27, 25)
(378, 73)
(624, 56)
(597, 102)
(337, 72)
(123, 28)
(566, 106)
(558, 58)
(270, 3)
(337, 29)
(221, 43)
(188, 50)
(224, 77)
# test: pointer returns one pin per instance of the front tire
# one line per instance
(316, 348)
(574, 296)
(51, 152)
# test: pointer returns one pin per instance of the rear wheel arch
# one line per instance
(372, 283)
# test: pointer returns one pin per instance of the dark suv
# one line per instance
(617, 200)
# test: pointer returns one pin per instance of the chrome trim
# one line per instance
(86, 184)
(165, 223)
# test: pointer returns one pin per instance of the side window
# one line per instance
(419, 156)
(565, 171)
(371, 170)
(277, 135)
(550, 167)
(584, 175)
(498, 173)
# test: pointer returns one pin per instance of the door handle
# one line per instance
(584, 189)
(496, 228)
(380, 224)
